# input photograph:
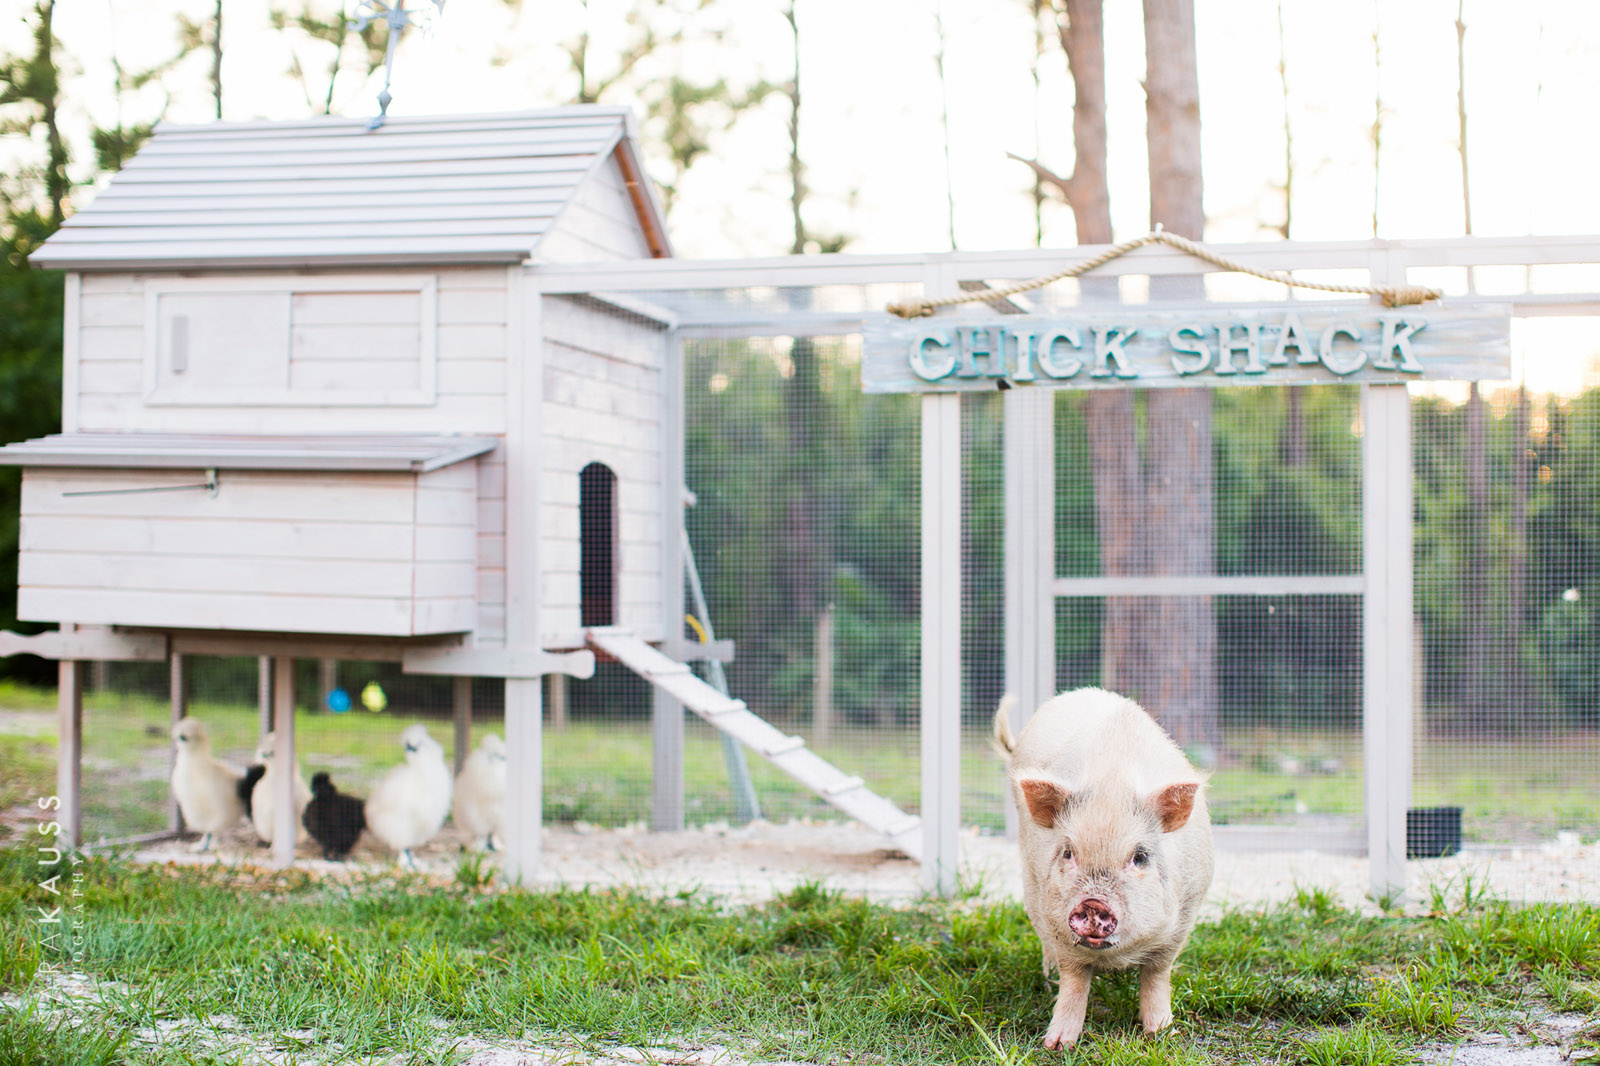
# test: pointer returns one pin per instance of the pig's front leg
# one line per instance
(1072, 1003)
(1155, 995)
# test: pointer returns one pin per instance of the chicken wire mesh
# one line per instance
(349, 717)
(1507, 734)
(805, 533)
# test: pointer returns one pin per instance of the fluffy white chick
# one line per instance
(480, 806)
(410, 803)
(207, 789)
(263, 801)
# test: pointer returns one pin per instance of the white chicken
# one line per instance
(409, 804)
(480, 805)
(207, 789)
(263, 801)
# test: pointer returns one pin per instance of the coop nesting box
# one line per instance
(308, 387)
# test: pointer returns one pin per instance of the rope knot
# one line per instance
(912, 309)
(1407, 295)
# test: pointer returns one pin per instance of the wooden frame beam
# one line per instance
(285, 822)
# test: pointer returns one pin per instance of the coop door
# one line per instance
(222, 343)
(320, 341)
(597, 565)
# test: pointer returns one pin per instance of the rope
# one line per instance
(1391, 295)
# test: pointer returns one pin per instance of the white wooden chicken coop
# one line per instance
(315, 405)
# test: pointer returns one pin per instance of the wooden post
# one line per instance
(1030, 561)
(285, 824)
(524, 696)
(941, 641)
(327, 679)
(461, 709)
(69, 751)
(178, 691)
(263, 697)
(1387, 632)
(666, 717)
(525, 782)
(822, 688)
(559, 703)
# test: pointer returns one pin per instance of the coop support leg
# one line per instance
(69, 754)
(285, 824)
(263, 697)
(666, 763)
(559, 702)
(179, 693)
(525, 782)
(461, 712)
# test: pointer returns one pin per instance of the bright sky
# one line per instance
(871, 127)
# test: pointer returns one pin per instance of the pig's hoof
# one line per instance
(1158, 1022)
(1058, 1039)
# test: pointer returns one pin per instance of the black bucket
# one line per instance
(1432, 832)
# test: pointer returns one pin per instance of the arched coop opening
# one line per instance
(597, 545)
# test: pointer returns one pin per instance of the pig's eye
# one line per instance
(1141, 857)
(1066, 853)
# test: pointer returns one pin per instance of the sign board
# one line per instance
(1198, 345)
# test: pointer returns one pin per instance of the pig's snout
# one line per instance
(1093, 922)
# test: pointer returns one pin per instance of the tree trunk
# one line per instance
(1517, 565)
(1109, 414)
(806, 554)
(216, 60)
(1181, 521)
(1291, 440)
(45, 79)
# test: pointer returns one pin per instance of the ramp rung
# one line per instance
(674, 670)
(903, 827)
(726, 708)
(844, 785)
(785, 746)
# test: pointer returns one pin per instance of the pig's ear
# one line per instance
(1174, 804)
(1045, 799)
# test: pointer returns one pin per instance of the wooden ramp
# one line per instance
(788, 753)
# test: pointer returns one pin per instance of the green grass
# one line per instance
(599, 772)
(402, 967)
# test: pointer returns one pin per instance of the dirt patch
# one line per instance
(751, 864)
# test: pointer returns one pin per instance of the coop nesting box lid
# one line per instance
(331, 192)
(414, 454)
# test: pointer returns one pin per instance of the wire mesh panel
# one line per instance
(349, 717)
(1508, 503)
(804, 530)
(1262, 689)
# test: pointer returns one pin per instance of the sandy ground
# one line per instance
(750, 864)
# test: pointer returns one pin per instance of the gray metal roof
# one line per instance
(417, 454)
(329, 191)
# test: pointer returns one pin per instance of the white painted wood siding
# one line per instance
(368, 553)
(602, 403)
(599, 222)
(345, 349)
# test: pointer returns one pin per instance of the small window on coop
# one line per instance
(597, 544)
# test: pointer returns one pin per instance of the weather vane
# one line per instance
(394, 13)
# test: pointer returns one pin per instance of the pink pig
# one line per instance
(1116, 847)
